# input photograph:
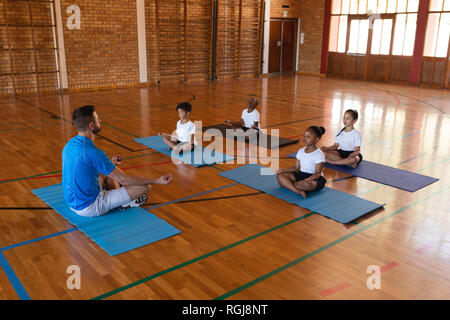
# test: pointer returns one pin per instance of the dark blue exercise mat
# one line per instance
(262, 139)
(116, 232)
(334, 204)
(198, 157)
(397, 178)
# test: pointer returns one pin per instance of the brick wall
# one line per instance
(311, 17)
(311, 14)
(21, 36)
(277, 10)
(104, 51)
(228, 47)
(171, 64)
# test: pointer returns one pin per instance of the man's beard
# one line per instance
(96, 130)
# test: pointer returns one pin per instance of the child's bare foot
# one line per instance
(303, 194)
(354, 165)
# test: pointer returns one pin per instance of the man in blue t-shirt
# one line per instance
(86, 169)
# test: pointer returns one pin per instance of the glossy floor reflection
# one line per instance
(236, 242)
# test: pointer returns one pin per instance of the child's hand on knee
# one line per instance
(309, 180)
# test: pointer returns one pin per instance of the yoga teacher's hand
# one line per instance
(165, 179)
(117, 160)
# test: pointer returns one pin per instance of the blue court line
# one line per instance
(13, 279)
(5, 265)
(411, 159)
(75, 229)
(37, 239)
(325, 247)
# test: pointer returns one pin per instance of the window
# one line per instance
(438, 29)
(381, 39)
(338, 33)
(404, 34)
(359, 32)
(404, 28)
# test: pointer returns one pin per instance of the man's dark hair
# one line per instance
(186, 106)
(82, 117)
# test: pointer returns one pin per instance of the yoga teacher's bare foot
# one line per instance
(303, 194)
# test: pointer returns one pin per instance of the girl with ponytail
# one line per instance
(306, 174)
(347, 147)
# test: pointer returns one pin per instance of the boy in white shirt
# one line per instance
(347, 147)
(250, 118)
(183, 138)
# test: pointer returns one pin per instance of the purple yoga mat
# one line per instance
(393, 177)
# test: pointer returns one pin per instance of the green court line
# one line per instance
(186, 263)
(216, 168)
(321, 249)
(59, 171)
(118, 129)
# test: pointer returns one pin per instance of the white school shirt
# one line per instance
(250, 118)
(308, 161)
(184, 131)
(349, 140)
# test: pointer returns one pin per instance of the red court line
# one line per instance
(147, 165)
(45, 177)
(300, 135)
(389, 266)
(333, 290)
(397, 99)
(346, 285)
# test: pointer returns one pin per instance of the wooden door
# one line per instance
(288, 51)
(379, 53)
(357, 45)
(275, 46)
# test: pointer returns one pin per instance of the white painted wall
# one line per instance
(266, 37)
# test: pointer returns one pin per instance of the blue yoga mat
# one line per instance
(397, 178)
(334, 204)
(116, 232)
(199, 157)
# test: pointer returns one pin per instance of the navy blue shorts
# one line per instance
(246, 128)
(344, 155)
(299, 176)
(179, 142)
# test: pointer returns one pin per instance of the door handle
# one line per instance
(279, 44)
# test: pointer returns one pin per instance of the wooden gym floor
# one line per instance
(236, 243)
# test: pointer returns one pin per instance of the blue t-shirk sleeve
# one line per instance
(100, 161)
